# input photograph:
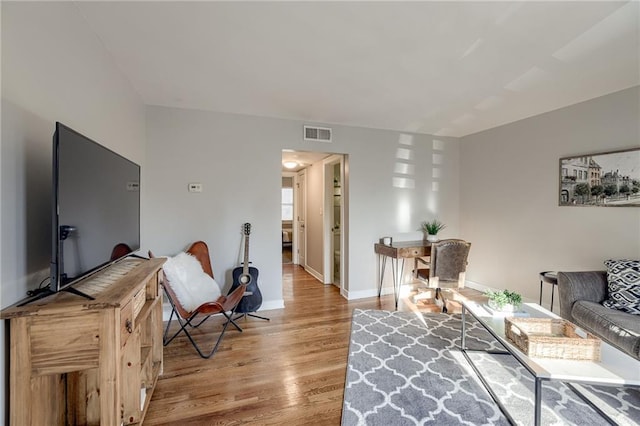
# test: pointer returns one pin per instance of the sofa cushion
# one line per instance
(623, 277)
(619, 328)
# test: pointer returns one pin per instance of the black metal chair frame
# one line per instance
(225, 305)
(184, 323)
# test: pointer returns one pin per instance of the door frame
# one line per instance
(297, 204)
(328, 254)
(292, 175)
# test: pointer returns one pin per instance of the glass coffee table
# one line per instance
(614, 369)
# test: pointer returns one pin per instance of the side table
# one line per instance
(550, 277)
(398, 251)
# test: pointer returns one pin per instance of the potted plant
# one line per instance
(504, 300)
(431, 229)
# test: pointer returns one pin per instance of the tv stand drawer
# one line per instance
(127, 325)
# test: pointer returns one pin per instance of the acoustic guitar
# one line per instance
(246, 274)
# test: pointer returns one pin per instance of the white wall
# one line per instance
(509, 195)
(314, 219)
(316, 198)
(396, 181)
(238, 159)
(497, 189)
(53, 69)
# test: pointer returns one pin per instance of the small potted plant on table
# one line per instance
(504, 300)
(431, 229)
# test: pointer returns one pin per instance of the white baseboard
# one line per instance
(315, 274)
(478, 286)
(363, 294)
(271, 304)
(385, 291)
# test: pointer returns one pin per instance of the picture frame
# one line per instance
(605, 179)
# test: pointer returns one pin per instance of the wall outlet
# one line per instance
(195, 187)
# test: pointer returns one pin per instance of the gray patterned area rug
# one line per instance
(406, 369)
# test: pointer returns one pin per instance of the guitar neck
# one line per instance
(245, 265)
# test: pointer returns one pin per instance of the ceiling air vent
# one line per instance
(319, 134)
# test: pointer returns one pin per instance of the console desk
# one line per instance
(398, 251)
(88, 362)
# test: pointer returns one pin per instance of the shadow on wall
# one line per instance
(412, 158)
(26, 200)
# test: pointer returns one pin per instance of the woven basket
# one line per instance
(551, 338)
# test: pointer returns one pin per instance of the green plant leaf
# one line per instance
(504, 297)
(432, 227)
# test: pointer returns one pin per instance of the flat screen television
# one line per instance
(96, 207)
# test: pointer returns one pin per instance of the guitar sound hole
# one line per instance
(245, 279)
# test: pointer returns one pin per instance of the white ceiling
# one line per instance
(302, 159)
(445, 68)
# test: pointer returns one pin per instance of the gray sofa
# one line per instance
(581, 295)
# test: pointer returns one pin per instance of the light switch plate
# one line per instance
(195, 187)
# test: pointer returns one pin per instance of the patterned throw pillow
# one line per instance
(623, 278)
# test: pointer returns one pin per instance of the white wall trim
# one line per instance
(363, 294)
(478, 286)
(315, 274)
(272, 304)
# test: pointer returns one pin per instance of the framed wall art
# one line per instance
(608, 179)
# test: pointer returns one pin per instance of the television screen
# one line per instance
(96, 207)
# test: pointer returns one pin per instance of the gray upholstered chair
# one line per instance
(446, 266)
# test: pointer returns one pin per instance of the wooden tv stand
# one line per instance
(79, 361)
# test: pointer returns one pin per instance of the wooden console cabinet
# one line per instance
(89, 362)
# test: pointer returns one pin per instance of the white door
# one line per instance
(335, 223)
(336, 246)
(301, 203)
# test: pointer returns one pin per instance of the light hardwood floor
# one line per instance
(286, 371)
(290, 370)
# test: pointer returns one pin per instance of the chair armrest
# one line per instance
(573, 286)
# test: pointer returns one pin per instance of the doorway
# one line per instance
(319, 233)
(334, 218)
(300, 212)
(287, 217)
